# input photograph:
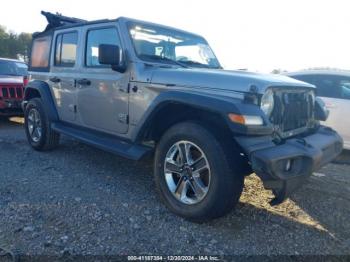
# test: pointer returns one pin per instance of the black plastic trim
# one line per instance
(106, 142)
(45, 94)
(220, 105)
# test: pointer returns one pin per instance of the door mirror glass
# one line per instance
(111, 55)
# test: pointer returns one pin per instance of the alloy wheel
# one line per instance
(34, 125)
(187, 172)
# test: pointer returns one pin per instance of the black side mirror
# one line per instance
(111, 55)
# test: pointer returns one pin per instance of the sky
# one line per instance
(258, 35)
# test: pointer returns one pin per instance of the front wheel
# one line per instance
(38, 127)
(193, 174)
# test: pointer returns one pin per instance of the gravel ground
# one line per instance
(80, 200)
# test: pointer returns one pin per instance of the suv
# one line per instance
(135, 88)
(333, 86)
(13, 77)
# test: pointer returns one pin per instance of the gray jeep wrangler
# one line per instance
(135, 88)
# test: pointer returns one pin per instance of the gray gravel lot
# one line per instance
(80, 200)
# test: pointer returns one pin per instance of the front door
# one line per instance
(102, 94)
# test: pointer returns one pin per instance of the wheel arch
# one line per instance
(172, 107)
(40, 89)
(209, 112)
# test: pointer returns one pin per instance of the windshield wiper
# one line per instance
(165, 59)
(190, 62)
(194, 63)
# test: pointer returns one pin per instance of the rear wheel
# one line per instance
(38, 127)
(193, 174)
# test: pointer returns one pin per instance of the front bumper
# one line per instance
(10, 107)
(284, 168)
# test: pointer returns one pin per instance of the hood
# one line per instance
(239, 81)
(5, 79)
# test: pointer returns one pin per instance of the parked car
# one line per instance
(333, 86)
(135, 88)
(13, 77)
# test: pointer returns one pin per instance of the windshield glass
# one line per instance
(160, 44)
(13, 68)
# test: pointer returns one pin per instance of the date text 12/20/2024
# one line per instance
(173, 258)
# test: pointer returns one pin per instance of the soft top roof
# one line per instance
(58, 21)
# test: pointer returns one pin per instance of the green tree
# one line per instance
(14, 45)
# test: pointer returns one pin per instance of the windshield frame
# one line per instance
(131, 24)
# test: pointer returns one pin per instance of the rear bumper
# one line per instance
(284, 168)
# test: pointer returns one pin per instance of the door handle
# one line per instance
(55, 79)
(83, 82)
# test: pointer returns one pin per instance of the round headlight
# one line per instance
(267, 102)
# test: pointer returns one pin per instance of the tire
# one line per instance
(46, 139)
(222, 190)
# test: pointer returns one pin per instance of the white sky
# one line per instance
(259, 35)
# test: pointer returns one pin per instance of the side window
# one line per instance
(327, 86)
(66, 49)
(40, 55)
(345, 88)
(95, 38)
(305, 78)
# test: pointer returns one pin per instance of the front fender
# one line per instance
(41, 88)
(215, 104)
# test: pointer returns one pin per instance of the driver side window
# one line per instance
(96, 37)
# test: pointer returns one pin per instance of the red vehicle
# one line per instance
(13, 78)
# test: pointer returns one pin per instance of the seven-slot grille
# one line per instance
(11, 91)
(292, 110)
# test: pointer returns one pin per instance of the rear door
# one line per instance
(102, 94)
(63, 70)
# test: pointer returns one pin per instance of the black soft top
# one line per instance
(58, 21)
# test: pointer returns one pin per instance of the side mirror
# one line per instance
(111, 55)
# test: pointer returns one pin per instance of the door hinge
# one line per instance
(123, 118)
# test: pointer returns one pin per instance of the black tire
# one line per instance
(49, 139)
(226, 184)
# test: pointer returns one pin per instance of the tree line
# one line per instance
(14, 45)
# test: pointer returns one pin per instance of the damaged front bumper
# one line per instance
(284, 168)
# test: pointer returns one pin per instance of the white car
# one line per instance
(333, 86)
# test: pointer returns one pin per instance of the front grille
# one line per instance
(11, 91)
(294, 109)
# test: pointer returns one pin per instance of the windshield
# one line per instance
(160, 44)
(13, 68)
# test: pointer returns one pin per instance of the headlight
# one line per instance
(267, 102)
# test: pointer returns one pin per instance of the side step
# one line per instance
(102, 141)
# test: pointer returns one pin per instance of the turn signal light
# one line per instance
(246, 120)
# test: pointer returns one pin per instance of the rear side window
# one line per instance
(95, 38)
(40, 55)
(66, 49)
